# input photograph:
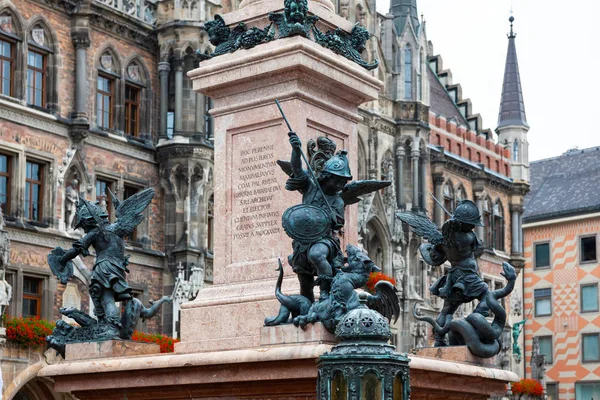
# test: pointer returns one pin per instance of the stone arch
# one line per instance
(449, 195)
(377, 243)
(461, 193)
(25, 377)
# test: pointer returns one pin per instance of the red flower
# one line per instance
(527, 386)
(166, 343)
(28, 332)
(375, 277)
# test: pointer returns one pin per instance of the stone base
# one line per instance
(108, 348)
(289, 334)
(459, 354)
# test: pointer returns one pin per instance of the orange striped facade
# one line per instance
(565, 276)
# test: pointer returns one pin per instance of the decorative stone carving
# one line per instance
(5, 287)
(71, 298)
(106, 60)
(419, 333)
(399, 269)
(71, 199)
(6, 23)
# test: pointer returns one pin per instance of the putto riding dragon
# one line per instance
(314, 226)
(459, 245)
(108, 284)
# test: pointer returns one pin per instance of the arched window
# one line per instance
(10, 43)
(516, 150)
(137, 103)
(407, 73)
(448, 198)
(107, 89)
(498, 226)
(40, 77)
(488, 223)
(461, 194)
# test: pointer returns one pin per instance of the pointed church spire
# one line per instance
(512, 107)
(402, 10)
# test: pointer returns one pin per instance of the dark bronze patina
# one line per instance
(294, 21)
(459, 245)
(314, 226)
(107, 284)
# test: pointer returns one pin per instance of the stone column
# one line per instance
(415, 165)
(200, 123)
(521, 244)
(479, 200)
(178, 117)
(400, 153)
(81, 43)
(515, 243)
(163, 71)
(424, 191)
(438, 186)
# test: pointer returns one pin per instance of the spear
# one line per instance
(440, 204)
(310, 171)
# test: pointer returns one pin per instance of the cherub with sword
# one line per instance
(108, 282)
(460, 246)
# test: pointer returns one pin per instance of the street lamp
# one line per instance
(363, 365)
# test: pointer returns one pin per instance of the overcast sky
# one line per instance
(557, 47)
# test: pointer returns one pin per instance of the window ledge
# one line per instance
(21, 105)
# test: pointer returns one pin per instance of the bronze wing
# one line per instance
(422, 226)
(385, 301)
(353, 190)
(130, 212)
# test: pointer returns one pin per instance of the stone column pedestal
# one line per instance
(320, 93)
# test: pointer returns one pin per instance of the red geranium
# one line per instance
(531, 387)
(167, 344)
(375, 277)
(28, 332)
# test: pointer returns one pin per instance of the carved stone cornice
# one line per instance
(137, 32)
(185, 151)
(119, 147)
(478, 173)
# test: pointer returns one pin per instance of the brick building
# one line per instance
(561, 276)
(94, 96)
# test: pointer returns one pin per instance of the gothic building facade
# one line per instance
(95, 98)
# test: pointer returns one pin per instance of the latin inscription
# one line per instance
(256, 193)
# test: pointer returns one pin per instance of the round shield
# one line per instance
(63, 272)
(306, 223)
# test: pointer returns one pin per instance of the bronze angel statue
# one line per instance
(108, 283)
(460, 246)
(313, 224)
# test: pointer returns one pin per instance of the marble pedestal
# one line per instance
(320, 93)
(109, 348)
(454, 353)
